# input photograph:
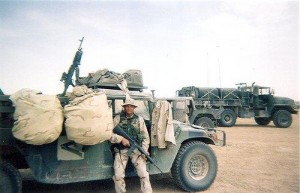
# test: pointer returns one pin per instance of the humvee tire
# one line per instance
(262, 120)
(205, 122)
(282, 119)
(10, 178)
(195, 166)
(228, 118)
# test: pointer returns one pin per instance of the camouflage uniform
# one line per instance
(137, 130)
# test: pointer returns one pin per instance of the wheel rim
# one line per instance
(227, 118)
(198, 167)
(284, 119)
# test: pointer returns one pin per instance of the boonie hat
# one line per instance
(129, 101)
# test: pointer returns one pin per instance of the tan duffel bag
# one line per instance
(38, 118)
(88, 119)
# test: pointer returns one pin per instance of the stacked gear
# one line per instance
(39, 118)
(131, 79)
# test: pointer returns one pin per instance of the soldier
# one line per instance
(135, 127)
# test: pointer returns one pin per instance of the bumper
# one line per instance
(218, 136)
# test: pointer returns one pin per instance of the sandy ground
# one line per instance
(255, 159)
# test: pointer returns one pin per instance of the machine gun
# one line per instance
(67, 77)
(133, 144)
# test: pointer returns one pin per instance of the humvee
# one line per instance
(192, 162)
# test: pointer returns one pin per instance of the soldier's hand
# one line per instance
(125, 142)
(144, 157)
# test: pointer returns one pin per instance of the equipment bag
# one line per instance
(89, 119)
(134, 78)
(38, 118)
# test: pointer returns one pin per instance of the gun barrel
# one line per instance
(80, 43)
(147, 156)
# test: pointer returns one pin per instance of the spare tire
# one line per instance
(262, 120)
(205, 122)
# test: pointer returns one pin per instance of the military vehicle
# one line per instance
(223, 105)
(192, 162)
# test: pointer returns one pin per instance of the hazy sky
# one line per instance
(174, 43)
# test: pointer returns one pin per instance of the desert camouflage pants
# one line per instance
(121, 160)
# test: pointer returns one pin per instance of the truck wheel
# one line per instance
(228, 118)
(10, 178)
(262, 121)
(195, 166)
(282, 119)
(205, 122)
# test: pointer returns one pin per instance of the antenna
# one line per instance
(207, 70)
(218, 60)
